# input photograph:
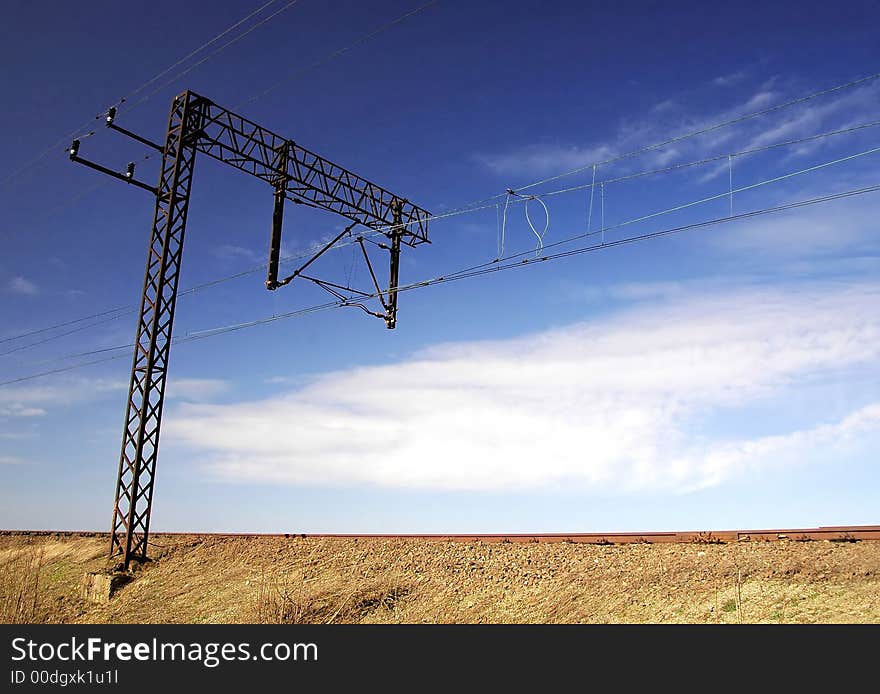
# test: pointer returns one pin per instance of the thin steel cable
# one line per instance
(335, 54)
(730, 181)
(717, 157)
(504, 223)
(539, 235)
(329, 57)
(189, 55)
(491, 267)
(207, 57)
(478, 205)
(664, 232)
(476, 272)
(498, 246)
(131, 308)
(77, 329)
(259, 267)
(85, 126)
(592, 190)
(470, 207)
(669, 210)
(708, 129)
(313, 66)
(73, 321)
(66, 139)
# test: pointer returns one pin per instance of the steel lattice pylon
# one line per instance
(197, 125)
(143, 416)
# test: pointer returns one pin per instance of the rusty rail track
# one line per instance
(854, 533)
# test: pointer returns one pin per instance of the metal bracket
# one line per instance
(110, 121)
(324, 249)
(128, 176)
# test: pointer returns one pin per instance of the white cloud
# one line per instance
(672, 117)
(542, 159)
(296, 380)
(19, 410)
(718, 463)
(35, 399)
(16, 435)
(665, 105)
(610, 406)
(195, 389)
(10, 460)
(20, 285)
(844, 110)
(848, 225)
(623, 291)
(729, 79)
(228, 251)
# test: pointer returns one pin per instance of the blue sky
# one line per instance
(722, 377)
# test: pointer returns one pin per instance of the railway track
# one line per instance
(854, 533)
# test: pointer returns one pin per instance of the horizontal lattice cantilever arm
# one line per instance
(245, 145)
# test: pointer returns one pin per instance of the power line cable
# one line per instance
(259, 267)
(651, 235)
(300, 73)
(708, 129)
(514, 197)
(363, 39)
(593, 183)
(717, 157)
(688, 135)
(85, 126)
(189, 55)
(677, 208)
(77, 329)
(73, 321)
(468, 273)
(335, 54)
(131, 308)
(207, 58)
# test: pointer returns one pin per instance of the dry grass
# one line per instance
(197, 579)
(20, 586)
(295, 602)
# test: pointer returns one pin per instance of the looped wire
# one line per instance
(538, 234)
(543, 232)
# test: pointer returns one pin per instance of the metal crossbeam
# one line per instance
(252, 148)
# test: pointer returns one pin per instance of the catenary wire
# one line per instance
(515, 198)
(335, 54)
(85, 126)
(189, 55)
(688, 135)
(470, 273)
(676, 208)
(296, 75)
(129, 309)
(707, 129)
(206, 58)
(718, 157)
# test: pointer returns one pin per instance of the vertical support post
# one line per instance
(396, 233)
(277, 217)
(143, 417)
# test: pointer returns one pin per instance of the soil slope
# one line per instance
(319, 580)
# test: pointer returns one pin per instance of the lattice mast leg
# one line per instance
(140, 437)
